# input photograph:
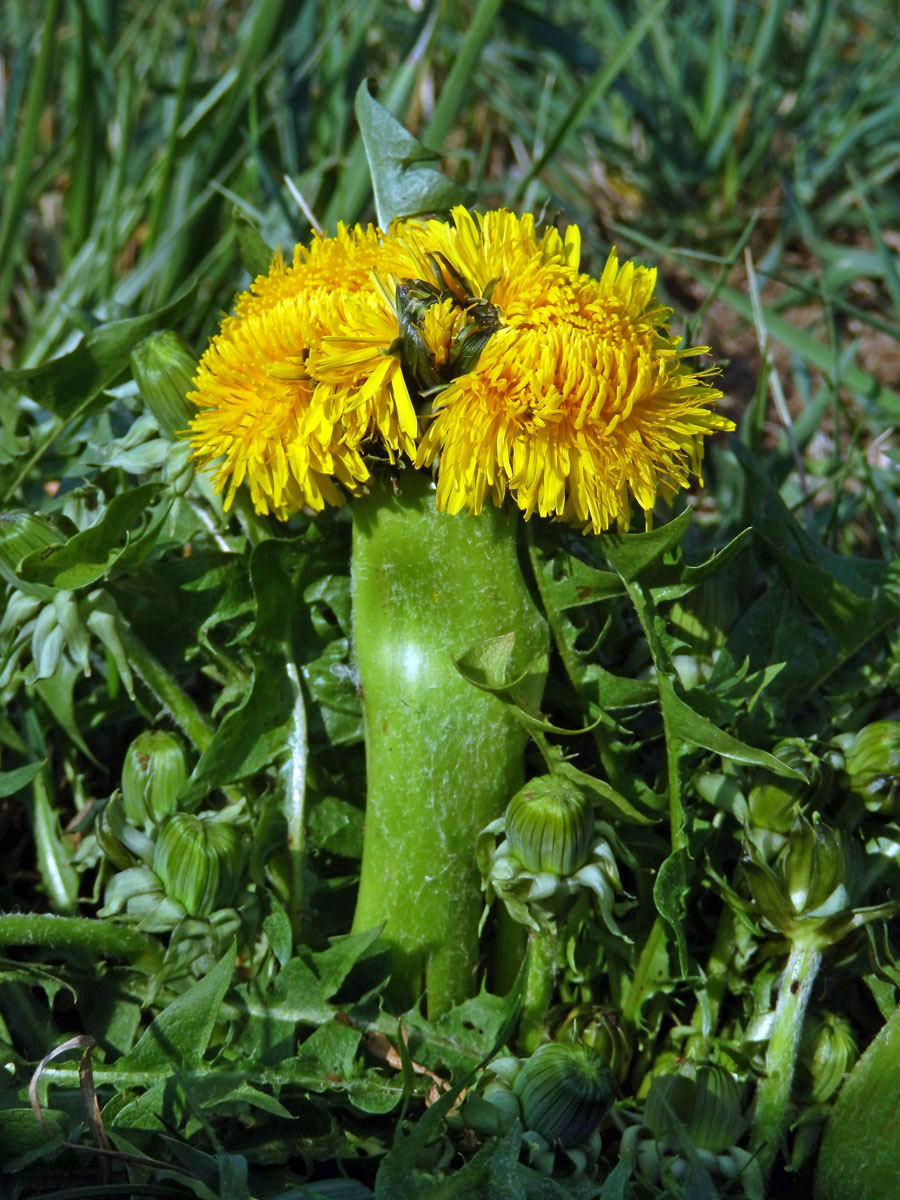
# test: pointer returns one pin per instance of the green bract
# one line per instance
(199, 862)
(164, 368)
(565, 1090)
(549, 826)
(153, 773)
(699, 1104)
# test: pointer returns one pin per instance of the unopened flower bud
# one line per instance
(702, 1101)
(199, 862)
(872, 766)
(21, 533)
(827, 1052)
(813, 866)
(601, 1029)
(565, 1090)
(164, 369)
(153, 773)
(550, 825)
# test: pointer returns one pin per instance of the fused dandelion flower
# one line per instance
(563, 391)
(262, 414)
(581, 401)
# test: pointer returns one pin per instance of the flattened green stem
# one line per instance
(442, 758)
(774, 1093)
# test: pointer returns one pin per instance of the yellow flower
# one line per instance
(581, 401)
(261, 412)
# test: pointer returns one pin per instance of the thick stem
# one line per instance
(774, 1093)
(442, 757)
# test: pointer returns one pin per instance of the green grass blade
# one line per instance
(598, 86)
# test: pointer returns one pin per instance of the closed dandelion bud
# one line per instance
(700, 1103)
(827, 1052)
(198, 862)
(153, 773)
(164, 369)
(603, 1031)
(872, 766)
(565, 1090)
(813, 867)
(550, 826)
(21, 533)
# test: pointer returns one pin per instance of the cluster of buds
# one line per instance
(692, 1111)
(560, 1094)
(172, 865)
(544, 850)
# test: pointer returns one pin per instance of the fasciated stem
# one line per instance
(442, 757)
(774, 1093)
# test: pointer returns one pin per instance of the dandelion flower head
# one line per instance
(581, 402)
(262, 417)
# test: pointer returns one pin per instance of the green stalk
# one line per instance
(101, 939)
(540, 980)
(167, 691)
(774, 1093)
(442, 757)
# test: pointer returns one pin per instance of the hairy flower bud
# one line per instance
(199, 862)
(164, 369)
(153, 773)
(549, 826)
(872, 766)
(565, 1090)
(700, 1103)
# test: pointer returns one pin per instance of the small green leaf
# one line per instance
(683, 722)
(256, 254)
(631, 553)
(670, 891)
(14, 781)
(403, 186)
(181, 1032)
(91, 554)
